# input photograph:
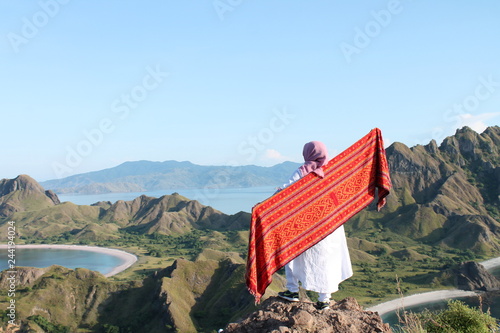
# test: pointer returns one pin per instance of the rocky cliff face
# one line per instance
(25, 276)
(446, 195)
(473, 276)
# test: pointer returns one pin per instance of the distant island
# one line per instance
(141, 176)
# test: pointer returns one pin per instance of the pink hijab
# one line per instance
(315, 155)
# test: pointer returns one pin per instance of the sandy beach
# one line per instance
(382, 308)
(432, 296)
(128, 258)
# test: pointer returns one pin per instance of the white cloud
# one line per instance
(272, 156)
(477, 122)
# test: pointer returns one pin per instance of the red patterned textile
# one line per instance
(298, 217)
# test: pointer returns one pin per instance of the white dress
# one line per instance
(322, 267)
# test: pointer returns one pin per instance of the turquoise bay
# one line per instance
(228, 201)
(44, 257)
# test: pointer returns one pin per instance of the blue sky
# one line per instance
(87, 85)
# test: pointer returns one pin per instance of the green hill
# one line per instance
(446, 196)
(444, 209)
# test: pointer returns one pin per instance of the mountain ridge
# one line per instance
(444, 195)
(144, 175)
(441, 195)
(444, 202)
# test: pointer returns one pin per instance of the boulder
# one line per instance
(473, 276)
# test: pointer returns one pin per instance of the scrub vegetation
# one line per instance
(443, 210)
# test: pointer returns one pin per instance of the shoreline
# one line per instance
(382, 308)
(431, 296)
(422, 298)
(128, 258)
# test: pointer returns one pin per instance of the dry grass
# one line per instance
(457, 317)
(410, 321)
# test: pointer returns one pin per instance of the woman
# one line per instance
(322, 267)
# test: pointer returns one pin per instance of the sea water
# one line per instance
(226, 200)
(40, 258)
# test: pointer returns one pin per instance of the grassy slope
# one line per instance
(405, 240)
(67, 297)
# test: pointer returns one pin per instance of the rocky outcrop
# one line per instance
(276, 315)
(52, 196)
(25, 276)
(23, 193)
(446, 195)
(473, 276)
(20, 183)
